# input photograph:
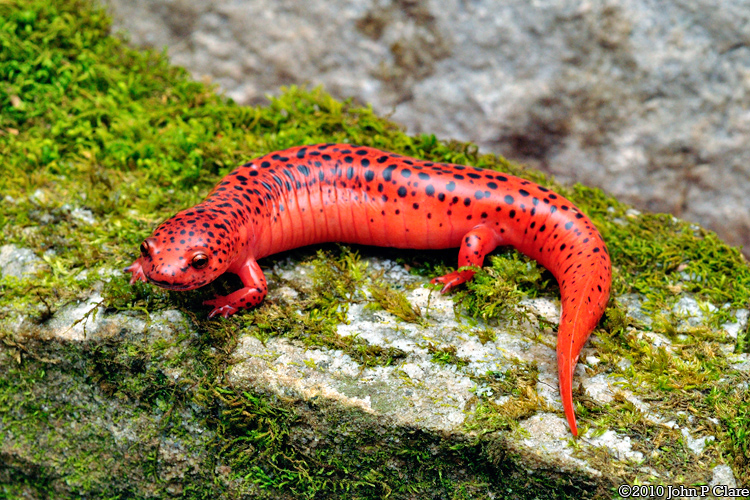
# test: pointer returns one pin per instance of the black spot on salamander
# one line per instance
(568, 225)
(423, 176)
(509, 199)
(450, 186)
(402, 191)
(492, 185)
(429, 190)
(406, 173)
(441, 196)
(523, 192)
(369, 175)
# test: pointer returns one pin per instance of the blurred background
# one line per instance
(648, 100)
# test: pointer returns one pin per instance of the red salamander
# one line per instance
(353, 194)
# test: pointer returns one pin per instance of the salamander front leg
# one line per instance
(250, 295)
(474, 247)
(137, 272)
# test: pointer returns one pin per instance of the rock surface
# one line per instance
(459, 397)
(18, 262)
(647, 100)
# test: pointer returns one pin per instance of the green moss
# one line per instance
(395, 302)
(731, 403)
(496, 290)
(517, 387)
(322, 303)
(446, 355)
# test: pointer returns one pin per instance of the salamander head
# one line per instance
(185, 252)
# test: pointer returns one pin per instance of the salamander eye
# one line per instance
(200, 260)
(144, 248)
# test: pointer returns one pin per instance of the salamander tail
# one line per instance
(582, 307)
(565, 365)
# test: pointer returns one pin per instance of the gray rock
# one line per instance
(647, 100)
(414, 392)
(464, 398)
(723, 476)
(18, 262)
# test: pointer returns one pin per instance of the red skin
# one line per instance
(353, 194)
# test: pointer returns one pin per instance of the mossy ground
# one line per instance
(88, 124)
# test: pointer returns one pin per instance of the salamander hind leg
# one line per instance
(475, 245)
(250, 295)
